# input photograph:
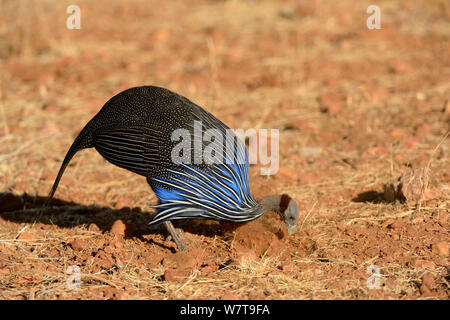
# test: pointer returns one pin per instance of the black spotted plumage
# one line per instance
(133, 130)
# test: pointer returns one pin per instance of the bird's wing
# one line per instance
(134, 148)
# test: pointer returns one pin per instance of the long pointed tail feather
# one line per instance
(82, 141)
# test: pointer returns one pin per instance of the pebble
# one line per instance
(118, 228)
(331, 103)
(425, 264)
(441, 248)
(78, 245)
(26, 237)
(179, 260)
(176, 275)
(288, 267)
(228, 296)
(427, 283)
(93, 227)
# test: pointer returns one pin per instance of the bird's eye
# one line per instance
(291, 218)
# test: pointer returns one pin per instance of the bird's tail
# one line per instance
(82, 141)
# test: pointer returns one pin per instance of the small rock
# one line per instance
(175, 275)
(388, 223)
(228, 296)
(425, 264)
(100, 243)
(441, 248)
(180, 260)
(117, 243)
(413, 187)
(109, 293)
(288, 267)
(427, 283)
(109, 249)
(93, 227)
(78, 245)
(331, 103)
(123, 296)
(26, 237)
(442, 217)
(398, 224)
(5, 271)
(256, 295)
(118, 228)
(417, 220)
(245, 254)
(209, 269)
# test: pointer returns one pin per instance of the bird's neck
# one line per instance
(270, 203)
(277, 203)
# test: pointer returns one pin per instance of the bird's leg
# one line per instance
(175, 236)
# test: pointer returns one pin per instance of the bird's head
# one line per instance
(288, 212)
(285, 206)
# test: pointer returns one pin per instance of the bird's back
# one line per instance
(134, 130)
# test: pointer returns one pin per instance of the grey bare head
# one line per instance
(289, 212)
(285, 206)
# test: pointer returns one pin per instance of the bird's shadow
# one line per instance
(371, 196)
(64, 214)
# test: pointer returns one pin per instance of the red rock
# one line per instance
(123, 296)
(398, 224)
(5, 271)
(27, 237)
(442, 217)
(100, 243)
(441, 248)
(331, 103)
(93, 227)
(427, 283)
(245, 254)
(109, 293)
(118, 228)
(180, 260)
(228, 296)
(209, 269)
(388, 223)
(117, 243)
(175, 275)
(418, 185)
(78, 245)
(413, 187)
(288, 267)
(425, 264)
(109, 249)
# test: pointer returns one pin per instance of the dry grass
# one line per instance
(268, 64)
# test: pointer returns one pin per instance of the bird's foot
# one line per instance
(181, 236)
(175, 236)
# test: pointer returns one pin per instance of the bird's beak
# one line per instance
(290, 229)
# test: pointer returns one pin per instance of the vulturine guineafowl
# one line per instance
(135, 130)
